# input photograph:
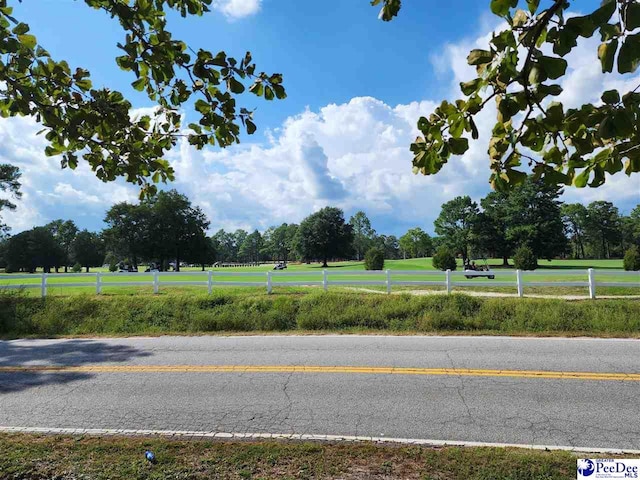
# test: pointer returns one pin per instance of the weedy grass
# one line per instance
(245, 312)
(33, 457)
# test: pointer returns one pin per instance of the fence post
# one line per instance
(210, 282)
(388, 281)
(519, 283)
(448, 280)
(592, 283)
(98, 283)
(156, 283)
(43, 285)
(269, 282)
(325, 284)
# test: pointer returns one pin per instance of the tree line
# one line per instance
(168, 231)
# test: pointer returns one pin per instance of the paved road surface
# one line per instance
(476, 389)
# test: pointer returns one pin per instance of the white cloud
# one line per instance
(48, 191)
(237, 8)
(353, 155)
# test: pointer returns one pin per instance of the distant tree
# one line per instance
(533, 218)
(201, 250)
(9, 183)
(31, 249)
(455, 224)
(64, 232)
(525, 259)
(176, 226)
(374, 259)
(128, 231)
(444, 259)
(88, 249)
(632, 259)
(490, 228)
(389, 244)
(279, 242)
(239, 236)
(415, 243)
(251, 247)
(225, 246)
(631, 228)
(324, 235)
(574, 219)
(603, 228)
(4, 243)
(16, 253)
(363, 234)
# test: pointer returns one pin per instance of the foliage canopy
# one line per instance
(519, 72)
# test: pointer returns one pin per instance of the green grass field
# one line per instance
(309, 273)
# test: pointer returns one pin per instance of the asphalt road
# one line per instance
(476, 389)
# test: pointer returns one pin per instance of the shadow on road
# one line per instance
(67, 352)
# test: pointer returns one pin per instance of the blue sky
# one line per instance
(355, 86)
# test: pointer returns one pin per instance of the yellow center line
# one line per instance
(632, 377)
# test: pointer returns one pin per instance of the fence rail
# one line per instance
(271, 279)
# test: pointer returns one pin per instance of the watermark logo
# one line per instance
(609, 468)
(586, 467)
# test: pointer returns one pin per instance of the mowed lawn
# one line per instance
(312, 275)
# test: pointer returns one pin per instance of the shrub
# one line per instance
(632, 259)
(113, 267)
(374, 259)
(77, 268)
(525, 259)
(444, 259)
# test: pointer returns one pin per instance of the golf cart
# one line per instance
(280, 266)
(476, 269)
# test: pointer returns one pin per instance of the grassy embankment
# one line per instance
(44, 457)
(313, 273)
(246, 311)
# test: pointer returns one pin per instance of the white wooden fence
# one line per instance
(590, 279)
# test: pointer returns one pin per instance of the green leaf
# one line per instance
(533, 5)
(581, 180)
(20, 29)
(139, 84)
(469, 87)
(220, 60)
(479, 57)
(501, 7)
(632, 16)
(629, 56)
(611, 97)
(84, 84)
(257, 89)
(235, 86)
(604, 13)
(554, 67)
(28, 41)
(280, 93)
(623, 123)
(251, 127)
(268, 93)
(458, 146)
(606, 54)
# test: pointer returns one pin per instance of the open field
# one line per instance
(312, 274)
(244, 310)
(31, 457)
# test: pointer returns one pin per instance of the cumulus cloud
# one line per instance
(353, 155)
(234, 9)
(48, 191)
